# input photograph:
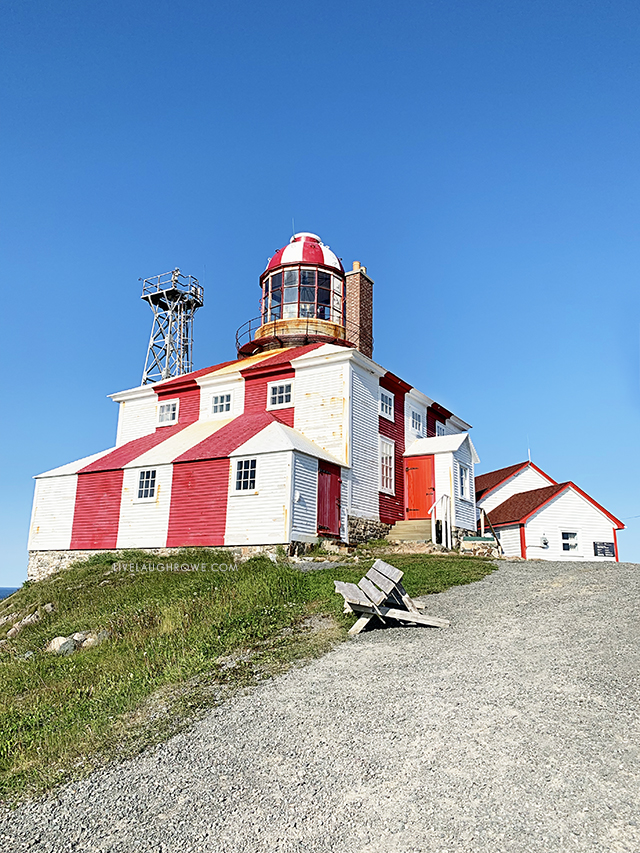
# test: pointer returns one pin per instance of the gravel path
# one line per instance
(514, 730)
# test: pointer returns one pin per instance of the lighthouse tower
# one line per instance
(304, 299)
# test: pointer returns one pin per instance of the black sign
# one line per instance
(604, 549)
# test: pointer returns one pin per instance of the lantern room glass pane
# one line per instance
(276, 297)
(308, 278)
(276, 280)
(307, 294)
(324, 279)
(336, 284)
(324, 296)
(336, 301)
(291, 278)
(307, 309)
(289, 310)
(324, 312)
(275, 312)
(291, 294)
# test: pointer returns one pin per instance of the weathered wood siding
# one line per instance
(97, 510)
(321, 395)
(198, 503)
(365, 476)
(261, 517)
(305, 507)
(144, 524)
(52, 515)
(510, 540)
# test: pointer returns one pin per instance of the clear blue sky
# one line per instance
(481, 159)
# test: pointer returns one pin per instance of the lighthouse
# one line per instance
(306, 297)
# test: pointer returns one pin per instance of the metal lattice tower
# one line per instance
(174, 299)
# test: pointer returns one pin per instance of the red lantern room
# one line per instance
(302, 301)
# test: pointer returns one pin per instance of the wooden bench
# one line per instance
(380, 594)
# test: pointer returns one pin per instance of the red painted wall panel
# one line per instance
(188, 392)
(97, 510)
(198, 503)
(392, 507)
(255, 390)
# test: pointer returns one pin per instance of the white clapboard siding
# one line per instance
(52, 514)
(261, 517)
(524, 481)
(210, 387)
(345, 503)
(443, 475)
(510, 540)
(136, 417)
(410, 434)
(144, 524)
(304, 514)
(321, 406)
(364, 443)
(572, 513)
(465, 512)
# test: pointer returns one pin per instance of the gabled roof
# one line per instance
(486, 483)
(277, 437)
(441, 444)
(520, 507)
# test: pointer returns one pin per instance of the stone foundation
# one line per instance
(363, 529)
(43, 564)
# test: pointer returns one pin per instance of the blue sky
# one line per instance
(481, 159)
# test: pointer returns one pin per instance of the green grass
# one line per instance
(59, 716)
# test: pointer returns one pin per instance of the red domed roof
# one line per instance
(305, 248)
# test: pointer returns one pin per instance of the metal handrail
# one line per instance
(247, 331)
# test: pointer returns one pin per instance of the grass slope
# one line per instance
(178, 642)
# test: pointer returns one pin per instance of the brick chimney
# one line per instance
(359, 309)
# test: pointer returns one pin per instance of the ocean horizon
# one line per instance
(6, 591)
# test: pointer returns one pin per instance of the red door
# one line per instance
(328, 499)
(421, 489)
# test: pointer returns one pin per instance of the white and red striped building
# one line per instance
(303, 436)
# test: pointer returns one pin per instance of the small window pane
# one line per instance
(307, 294)
(324, 296)
(147, 484)
(291, 278)
(308, 278)
(324, 279)
(289, 311)
(246, 475)
(291, 294)
(276, 281)
(276, 297)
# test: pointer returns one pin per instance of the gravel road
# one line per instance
(514, 730)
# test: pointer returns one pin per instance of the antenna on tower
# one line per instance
(174, 298)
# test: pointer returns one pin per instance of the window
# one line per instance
(168, 413)
(569, 541)
(465, 492)
(417, 422)
(280, 395)
(245, 475)
(386, 405)
(303, 292)
(440, 428)
(147, 485)
(220, 403)
(387, 459)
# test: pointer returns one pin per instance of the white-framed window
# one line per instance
(246, 475)
(440, 428)
(417, 422)
(464, 480)
(387, 466)
(386, 404)
(147, 485)
(569, 540)
(280, 395)
(220, 403)
(168, 412)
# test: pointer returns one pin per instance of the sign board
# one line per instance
(604, 549)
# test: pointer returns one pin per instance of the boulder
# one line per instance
(49, 608)
(61, 646)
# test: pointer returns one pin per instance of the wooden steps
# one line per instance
(413, 530)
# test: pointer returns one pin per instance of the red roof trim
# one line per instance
(506, 474)
(595, 503)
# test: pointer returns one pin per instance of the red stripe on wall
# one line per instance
(198, 503)
(188, 392)
(255, 390)
(392, 507)
(97, 510)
